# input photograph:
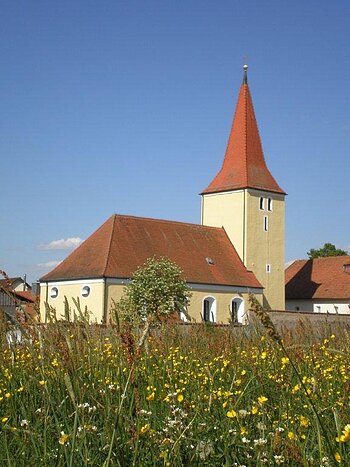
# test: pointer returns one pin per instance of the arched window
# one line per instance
(209, 309)
(237, 311)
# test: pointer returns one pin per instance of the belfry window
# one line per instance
(269, 204)
(262, 203)
(266, 223)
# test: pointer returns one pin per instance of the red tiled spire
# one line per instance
(244, 165)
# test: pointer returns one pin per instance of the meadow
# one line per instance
(81, 395)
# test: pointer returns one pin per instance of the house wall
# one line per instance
(319, 306)
(94, 302)
(115, 289)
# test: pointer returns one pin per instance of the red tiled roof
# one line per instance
(123, 243)
(244, 164)
(323, 278)
(24, 295)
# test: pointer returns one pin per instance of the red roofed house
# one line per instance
(321, 285)
(237, 249)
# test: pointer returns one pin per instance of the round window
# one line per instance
(85, 291)
(54, 292)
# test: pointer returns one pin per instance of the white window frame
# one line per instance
(241, 316)
(212, 309)
(269, 204)
(262, 203)
(83, 287)
(268, 268)
(53, 297)
(266, 223)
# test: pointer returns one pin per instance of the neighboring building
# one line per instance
(13, 301)
(17, 283)
(321, 285)
(237, 249)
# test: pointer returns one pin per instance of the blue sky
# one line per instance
(126, 106)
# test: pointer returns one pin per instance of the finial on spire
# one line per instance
(245, 77)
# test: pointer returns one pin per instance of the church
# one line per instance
(237, 249)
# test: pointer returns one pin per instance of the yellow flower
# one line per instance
(150, 397)
(144, 429)
(346, 434)
(224, 404)
(285, 360)
(180, 397)
(7, 395)
(291, 435)
(337, 457)
(231, 414)
(63, 439)
(304, 422)
(263, 355)
(4, 419)
(42, 382)
(254, 410)
(262, 399)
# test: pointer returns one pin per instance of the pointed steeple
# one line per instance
(244, 164)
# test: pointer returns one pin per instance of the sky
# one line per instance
(126, 106)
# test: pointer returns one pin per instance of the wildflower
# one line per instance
(285, 360)
(254, 410)
(291, 435)
(231, 414)
(260, 442)
(42, 382)
(304, 422)
(150, 397)
(279, 459)
(144, 429)
(180, 397)
(63, 439)
(24, 423)
(337, 457)
(263, 355)
(4, 419)
(262, 400)
(345, 436)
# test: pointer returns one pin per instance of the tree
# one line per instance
(156, 289)
(328, 249)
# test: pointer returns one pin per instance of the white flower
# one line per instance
(24, 423)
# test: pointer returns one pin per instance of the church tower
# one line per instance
(246, 200)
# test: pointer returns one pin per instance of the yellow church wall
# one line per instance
(94, 302)
(266, 247)
(223, 304)
(115, 291)
(226, 210)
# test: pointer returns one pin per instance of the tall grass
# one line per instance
(76, 395)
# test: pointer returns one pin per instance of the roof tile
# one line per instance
(123, 243)
(244, 164)
(320, 278)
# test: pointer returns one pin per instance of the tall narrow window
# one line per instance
(209, 310)
(262, 204)
(269, 204)
(206, 310)
(234, 312)
(266, 223)
(268, 268)
(237, 311)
